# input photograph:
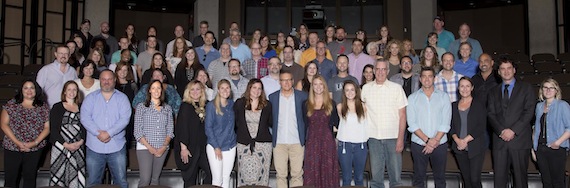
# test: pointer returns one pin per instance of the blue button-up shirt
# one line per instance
(111, 116)
(220, 128)
(431, 115)
(327, 68)
(206, 58)
(557, 122)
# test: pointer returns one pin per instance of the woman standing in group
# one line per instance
(428, 59)
(464, 64)
(329, 34)
(190, 141)
(86, 83)
(267, 50)
(281, 43)
(383, 41)
(468, 126)
(158, 62)
(410, 51)
(303, 36)
(352, 148)
(311, 70)
(432, 41)
(154, 128)
(187, 70)
(255, 37)
(321, 164)
(393, 54)
(361, 34)
(220, 123)
(253, 121)
(68, 138)
(372, 50)
(204, 78)
(132, 36)
(126, 84)
(178, 52)
(25, 123)
(97, 56)
(367, 74)
(291, 41)
(550, 137)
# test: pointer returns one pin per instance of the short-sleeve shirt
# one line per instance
(25, 123)
(383, 103)
(335, 85)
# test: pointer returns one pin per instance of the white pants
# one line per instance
(221, 169)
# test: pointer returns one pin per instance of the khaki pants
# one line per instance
(294, 153)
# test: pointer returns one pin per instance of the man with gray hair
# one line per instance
(386, 109)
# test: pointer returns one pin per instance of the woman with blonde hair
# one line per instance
(409, 50)
(321, 164)
(219, 126)
(190, 141)
(551, 133)
(393, 54)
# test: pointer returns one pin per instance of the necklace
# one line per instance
(201, 111)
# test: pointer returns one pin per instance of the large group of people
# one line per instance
(316, 108)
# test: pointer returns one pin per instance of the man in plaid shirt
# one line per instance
(256, 67)
(447, 79)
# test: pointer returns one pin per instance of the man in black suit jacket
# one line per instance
(510, 110)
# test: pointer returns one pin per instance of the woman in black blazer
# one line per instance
(254, 148)
(190, 140)
(468, 124)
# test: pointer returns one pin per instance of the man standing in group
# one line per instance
(429, 115)
(199, 40)
(109, 39)
(464, 36)
(124, 43)
(288, 131)
(444, 36)
(240, 51)
(336, 83)
(271, 81)
(447, 80)
(386, 108)
(238, 83)
(409, 81)
(340, 45)
(326, 67)
(218, 69)
(207, 52)
(486, 79)
(289, 64)
(358, 60)
(178, 32)
(256, 67)
(53, 76)
(510, 108)
(105, 114)
(310, 53)
(144, 60)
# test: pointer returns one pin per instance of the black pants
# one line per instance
(551, 163)
(21, 164)
(197, 161)
(438, 159)
(517, 159)
(470, 168)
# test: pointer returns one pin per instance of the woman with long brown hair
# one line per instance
(187, 70)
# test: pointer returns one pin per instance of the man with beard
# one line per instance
(110, 40)
(105, 113)
(358, 60)
(83, 32)
(340, 45)
(53, 76)
(409, 81)
(271, 81)
(486, 79)
(238, 83)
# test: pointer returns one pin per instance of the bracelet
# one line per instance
(427, 140)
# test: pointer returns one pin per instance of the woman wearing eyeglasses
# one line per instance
(551, 133)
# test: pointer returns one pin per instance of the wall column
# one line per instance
(541, 27)
(207, 10)
(422, 14)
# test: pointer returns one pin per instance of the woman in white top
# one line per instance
(178, 51)
(352, 137)
(86, 83)
(290, 40)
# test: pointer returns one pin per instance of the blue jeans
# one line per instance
(383, 153)
(117, 163)
(352, 155)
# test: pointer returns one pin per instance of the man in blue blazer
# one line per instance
(289, 131)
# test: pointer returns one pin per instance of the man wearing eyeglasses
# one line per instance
(207, 52)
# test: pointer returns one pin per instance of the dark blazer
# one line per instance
(300, 98)
(517, 116)
(55, 119)
(190, 131)
(476, 127)
(265, 122)
(180, 78)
